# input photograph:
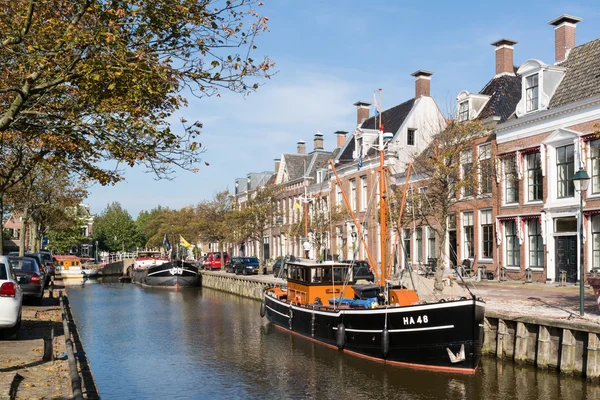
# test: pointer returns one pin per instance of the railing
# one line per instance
(107, 258)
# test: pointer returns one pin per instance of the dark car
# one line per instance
(49, 266)
(31, 277)
(246, 266)
(38, 259)
(361, 270)
(229, 264)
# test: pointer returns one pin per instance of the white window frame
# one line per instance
(528, 245)
(510, 164)
(484, 152)
(466, 157)
(467, 217)
(363, 193)
(353, 194)
(485, 217)
(463, 111)
(530, 104)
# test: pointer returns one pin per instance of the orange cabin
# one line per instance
(64, 262)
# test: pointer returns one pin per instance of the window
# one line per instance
(596, 242)
(536, 244)
(353, 194)
(463, 111)
(363, 192)
(595, 156)
(339, 232)
(565, 168)
(338, 195)
(513, 248)
(431, 253)
(365, 232)
(406, 245)
(468, 234)
(535, 184)
(410, 137)
(487, 235)
(531, 93)
(485, 168)
(419, 240)
(466, 166)
(511, 181)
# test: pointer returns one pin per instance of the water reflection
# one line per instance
(201, 344)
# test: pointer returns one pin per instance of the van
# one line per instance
(213, 260)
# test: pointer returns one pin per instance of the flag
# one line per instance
(183, 242)
(297, 205)
(375, 103)
(360, 161)
(166, 243)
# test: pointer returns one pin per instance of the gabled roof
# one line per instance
(505, 94)
(391, 119)
(295, 165)
(582, 79)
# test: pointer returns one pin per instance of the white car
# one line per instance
(11, 301)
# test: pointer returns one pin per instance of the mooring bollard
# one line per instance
(51, 288)
(48, 344)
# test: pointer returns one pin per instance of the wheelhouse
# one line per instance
(311, 282)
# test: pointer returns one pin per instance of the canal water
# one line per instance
(205, 344)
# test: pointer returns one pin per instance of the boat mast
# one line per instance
(382, 201)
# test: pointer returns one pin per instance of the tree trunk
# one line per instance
(35, 233)
(438, 285)
(2, 225)
(23, 235)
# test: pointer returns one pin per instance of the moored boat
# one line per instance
(154, 269)
(73, 267)
(444, 336)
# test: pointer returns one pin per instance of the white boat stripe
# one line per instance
(429, 328)
(275, 311)
(391, 310)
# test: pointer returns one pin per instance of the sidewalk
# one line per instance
(547, 300)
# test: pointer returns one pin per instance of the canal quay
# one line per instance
(208, 343)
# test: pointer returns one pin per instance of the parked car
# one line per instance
(246, 266)
(229, 264)
(31, 278)
(48, 260)
(361, 270)
(200, 263)
(213, 260)
(11, 300)
(38, 259)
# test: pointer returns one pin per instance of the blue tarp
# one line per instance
(353, 303)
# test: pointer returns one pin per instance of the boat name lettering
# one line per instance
(176, 271)
(411, 321)
(329, 291)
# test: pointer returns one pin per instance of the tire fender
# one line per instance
(263, 309)
(340, 336)
(291, 320)
(385, 343)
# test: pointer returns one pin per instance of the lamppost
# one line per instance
(581, 180)
(279, 222)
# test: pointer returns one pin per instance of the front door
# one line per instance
(452, 244)
(566, 257)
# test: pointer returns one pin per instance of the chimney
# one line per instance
(564, 35)
(318, 141)
(277, 161)
(422, 83)
(362, 111)
(504, 56)
(301, 147)
(341, 138)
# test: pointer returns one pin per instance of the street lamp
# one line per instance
(581, 180)
(279, 222)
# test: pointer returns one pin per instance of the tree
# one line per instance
(322, 218)
(214, 220)
(149, 223)
(115, 230)
(446, 174)
(89, 81)
(257, 216)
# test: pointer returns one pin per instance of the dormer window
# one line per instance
(531, 93)
(463, 111)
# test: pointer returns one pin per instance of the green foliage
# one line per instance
(115, 230)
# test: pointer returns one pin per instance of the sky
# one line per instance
(331, 54)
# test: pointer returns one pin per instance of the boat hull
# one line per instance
(419, 336)
(170, 274)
